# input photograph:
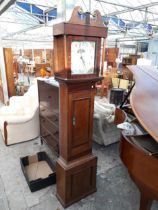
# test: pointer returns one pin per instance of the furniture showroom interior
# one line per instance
(78, 105)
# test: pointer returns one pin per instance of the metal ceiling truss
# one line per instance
(43, 16)
(26, 40)
(139, 8)
(36, 4)
(114, 4)
(31, 10)
(5, 4)
(126, 25)
(22, 31)
(51, 13)
(5, 20)
(129, 8)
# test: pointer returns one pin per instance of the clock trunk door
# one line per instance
(80, 123)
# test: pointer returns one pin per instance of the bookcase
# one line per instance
(49, 114)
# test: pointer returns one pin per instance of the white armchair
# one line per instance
(106, 117)
(19, 121)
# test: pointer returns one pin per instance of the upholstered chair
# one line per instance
(19, 121)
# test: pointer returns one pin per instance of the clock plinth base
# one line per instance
(76, 180)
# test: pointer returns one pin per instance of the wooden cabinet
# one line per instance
(110, 56)
(49, 114)
(1, 89)
(8, 59)
(131, 60)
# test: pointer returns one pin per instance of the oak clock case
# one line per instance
(77, 49)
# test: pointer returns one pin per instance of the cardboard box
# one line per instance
(38, 170)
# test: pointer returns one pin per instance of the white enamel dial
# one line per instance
(82, 57)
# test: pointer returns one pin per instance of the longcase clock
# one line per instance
(77, 52)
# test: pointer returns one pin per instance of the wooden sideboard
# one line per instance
(49, 114)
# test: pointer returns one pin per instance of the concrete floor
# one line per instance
(115, 190)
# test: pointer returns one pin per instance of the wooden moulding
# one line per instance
(95, 21)
(5, 133)
(86, 26)
(80, 30)
(80, 81)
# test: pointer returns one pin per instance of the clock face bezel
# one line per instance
(97, 41)
(83, 53)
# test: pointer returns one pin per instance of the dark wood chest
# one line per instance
(49, 114)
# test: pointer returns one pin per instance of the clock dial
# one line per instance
(82, 57)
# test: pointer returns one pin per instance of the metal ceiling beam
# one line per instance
(112, 3)
(22, 12)
(129, 8)
(22, 31)
(134, 21)
(23, 40)
(133, 39)
(15, 22)
(34, 11)
(41, 15)
(36, 4)
(153, 20)
(4, 5)
(51, 14)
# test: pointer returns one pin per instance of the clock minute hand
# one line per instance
(83, 61)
